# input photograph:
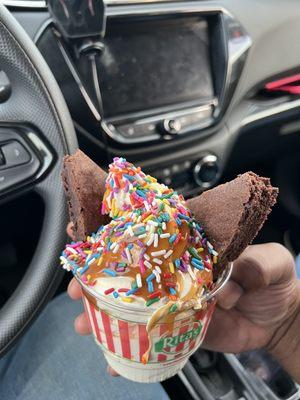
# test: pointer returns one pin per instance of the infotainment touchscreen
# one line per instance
(154, 63)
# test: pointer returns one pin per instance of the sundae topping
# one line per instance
(152, 253)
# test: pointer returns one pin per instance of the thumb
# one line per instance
(262, 265)
(229, 295)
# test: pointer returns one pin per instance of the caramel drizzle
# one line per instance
(96, 271)
(162, 314)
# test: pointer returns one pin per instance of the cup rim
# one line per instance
(220, 283)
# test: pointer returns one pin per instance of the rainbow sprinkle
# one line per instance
(151, 231)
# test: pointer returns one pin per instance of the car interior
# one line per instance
(195, 92)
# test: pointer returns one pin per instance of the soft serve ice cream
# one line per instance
(152, 255)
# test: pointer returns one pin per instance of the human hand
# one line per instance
(81, 324)
(259, 300)
(258, 303)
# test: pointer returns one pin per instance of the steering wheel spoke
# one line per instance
(24, 159)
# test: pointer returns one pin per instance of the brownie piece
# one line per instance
(233, 213)
(230, 214)
(84, 184)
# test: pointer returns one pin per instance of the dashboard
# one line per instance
(181, 82)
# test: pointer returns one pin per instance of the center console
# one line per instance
(170, 72)
(167, 74)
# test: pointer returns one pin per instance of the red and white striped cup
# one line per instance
(121, 333)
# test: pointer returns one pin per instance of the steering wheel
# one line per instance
(33, 116)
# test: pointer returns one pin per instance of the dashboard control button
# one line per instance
(175, 168)
(207, 171)
(13, 176)
(187, 164)
(130, 131)
(172, 126)
(195, 118)
(127, 130)
(5, 87)
(166, 172)
(144, 129)
(149, 128)
(15, 154)
(138, 130)
(24, 158)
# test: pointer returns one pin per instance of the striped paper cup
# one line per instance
(121, 333)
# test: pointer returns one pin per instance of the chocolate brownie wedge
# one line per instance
(84, 184)
(232, 214)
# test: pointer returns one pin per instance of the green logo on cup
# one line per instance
(171, 341)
